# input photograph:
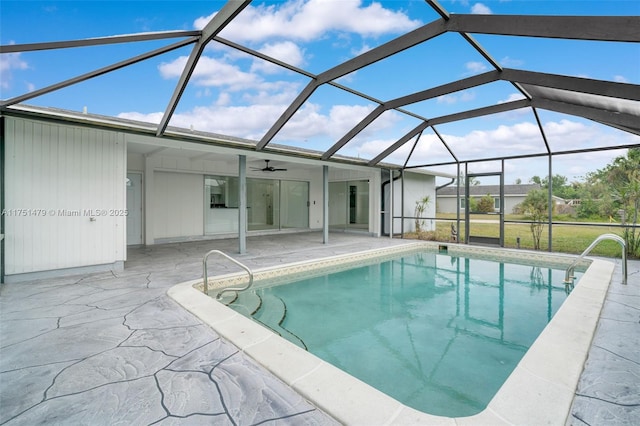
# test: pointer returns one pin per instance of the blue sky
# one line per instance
(233, 94)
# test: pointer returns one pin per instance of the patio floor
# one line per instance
(113, 348)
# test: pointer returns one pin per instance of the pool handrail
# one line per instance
(568, 278)
(206, 275)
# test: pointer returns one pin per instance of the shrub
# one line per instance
(486, 204)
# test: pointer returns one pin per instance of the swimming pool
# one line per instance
(439, 333)
(546, 376)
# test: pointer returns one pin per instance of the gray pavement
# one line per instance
(113, 348)
(609, 389)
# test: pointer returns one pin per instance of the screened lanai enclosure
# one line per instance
(498, 92)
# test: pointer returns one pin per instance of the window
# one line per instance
(463, 203)
(496, 203)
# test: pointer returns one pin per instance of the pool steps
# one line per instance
(247, 303)
(268, 310)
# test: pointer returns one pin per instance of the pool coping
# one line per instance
(547, 375)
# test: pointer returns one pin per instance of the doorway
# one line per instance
(349, 205)
(484, 212)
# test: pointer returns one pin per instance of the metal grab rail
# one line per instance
(568, 278)
(206, 276)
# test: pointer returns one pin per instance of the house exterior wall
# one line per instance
(416, 186)
(448, 203)
(65, 196)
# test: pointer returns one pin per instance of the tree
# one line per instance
(535, 208)
(486, 204)
(621, 180)
(421, 205)
(560, 186)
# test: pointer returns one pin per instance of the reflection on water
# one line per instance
(438, 333)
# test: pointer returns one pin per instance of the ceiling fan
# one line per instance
(268, 168)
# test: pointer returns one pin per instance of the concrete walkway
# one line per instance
(115, 349)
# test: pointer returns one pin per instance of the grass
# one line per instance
(572, 239)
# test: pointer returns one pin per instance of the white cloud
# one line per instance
(310, 123)
(286, 51)
(223, 99)
(512, 97)
(310, 20)
(212, 72)
(252, 121)
(203, 93)
(480, 9)
(453, 98)
(8, 63)
(516, 139)
(511, 62)
(620, 79)
(474, 67)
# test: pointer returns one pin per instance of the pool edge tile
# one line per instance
(287, 361)
(346, 398)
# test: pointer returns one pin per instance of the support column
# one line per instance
(390, 203)
(458, 202)
(550, 245)
(402, 203)
(502, 205)
(242, 204)
(149, 237)
(325, 204)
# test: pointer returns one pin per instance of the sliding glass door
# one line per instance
(271, 204)
(294, 212)
(263, 203)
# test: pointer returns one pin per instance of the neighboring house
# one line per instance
(513, 195)
(79, 188)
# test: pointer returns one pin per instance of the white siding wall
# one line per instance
(448, 204)
(63, 171)
(178, 205)
(416, 186)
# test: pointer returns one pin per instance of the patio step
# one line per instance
(272, 313)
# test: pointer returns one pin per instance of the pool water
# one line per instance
(439, 333)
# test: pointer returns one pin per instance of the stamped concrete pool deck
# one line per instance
(113, 348)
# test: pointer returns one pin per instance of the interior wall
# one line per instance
(65, 191)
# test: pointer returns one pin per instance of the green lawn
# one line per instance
(566, 238)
